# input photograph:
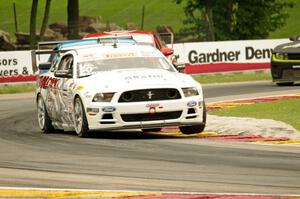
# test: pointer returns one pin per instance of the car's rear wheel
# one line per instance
(285, 84)
(195, 128)
(44, 120)
(80, 121)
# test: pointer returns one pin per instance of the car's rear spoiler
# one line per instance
(35, 56)
(89, 41)
(48, 47)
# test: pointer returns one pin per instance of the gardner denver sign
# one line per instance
(203, 57)
(230, 56)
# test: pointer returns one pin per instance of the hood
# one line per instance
(134, 79)
(291, 47)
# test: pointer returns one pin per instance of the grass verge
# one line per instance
(282, 110)
(17, 88)
(232, 77)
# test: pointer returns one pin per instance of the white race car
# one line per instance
(117, 86)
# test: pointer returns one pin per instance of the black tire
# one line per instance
(195, 128)
(151, 130)
(192, 129)
(80, 121)
(285, 83)
(44, 120)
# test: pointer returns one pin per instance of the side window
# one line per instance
(66, 63)
(53, 59)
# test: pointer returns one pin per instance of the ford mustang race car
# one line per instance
(115, 87)
(285, 63)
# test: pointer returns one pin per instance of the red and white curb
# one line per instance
(239, 138)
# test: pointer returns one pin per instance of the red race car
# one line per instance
(141, 37)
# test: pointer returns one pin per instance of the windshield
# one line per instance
(90, 67)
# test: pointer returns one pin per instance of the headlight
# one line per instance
(190, 91)
(281, 55)
(103, 97)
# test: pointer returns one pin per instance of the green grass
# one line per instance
(121, 12)
(292, 25)
(282, 110)
(234, 77)
(17, 88)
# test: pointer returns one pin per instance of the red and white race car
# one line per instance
(116, 86)
(141, 37)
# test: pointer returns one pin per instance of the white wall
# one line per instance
(247, 51)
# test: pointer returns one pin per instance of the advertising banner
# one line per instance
(222, 56)
(16, 66)
(201, 57)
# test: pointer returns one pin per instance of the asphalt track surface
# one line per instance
(143, 161)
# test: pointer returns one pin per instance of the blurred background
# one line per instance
(23, 23)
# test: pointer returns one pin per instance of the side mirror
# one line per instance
(180, 66)
(167, 51)
(294, 38)
(44, 67)
(63, 74)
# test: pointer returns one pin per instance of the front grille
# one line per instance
(150, 95)
(287, 74)
(294, 56)
(141, 117)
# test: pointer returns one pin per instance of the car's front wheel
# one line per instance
(195, 128)
(80, 121)
(192, 129)
(44, 120)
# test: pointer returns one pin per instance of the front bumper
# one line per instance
(285, 71)
(142, 115)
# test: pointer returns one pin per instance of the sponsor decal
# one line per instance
(72, 85)
(47, 82)
(153, 107)
(141, 77)
(119, 55)
(79, 88)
